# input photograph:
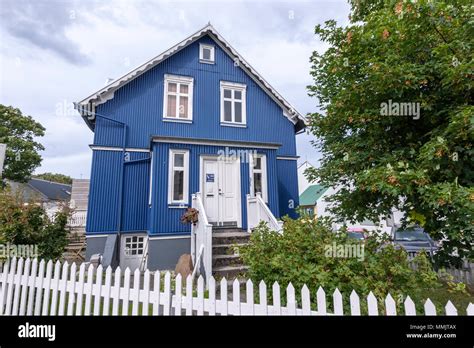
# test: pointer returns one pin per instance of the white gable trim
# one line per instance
(107, 92)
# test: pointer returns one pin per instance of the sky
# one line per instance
(56, 52)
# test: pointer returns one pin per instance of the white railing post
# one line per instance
(201, 238)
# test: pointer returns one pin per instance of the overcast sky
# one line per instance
(54, 52)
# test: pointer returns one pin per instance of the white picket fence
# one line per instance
(38, 288)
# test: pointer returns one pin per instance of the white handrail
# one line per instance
(201, 236)
(198, 262)
(257, 210)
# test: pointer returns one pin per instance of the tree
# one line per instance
(18, 132)
(55, 177)
(395, 90)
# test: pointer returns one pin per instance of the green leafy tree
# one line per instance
(55, 177)
(19, 131)
(393, 52)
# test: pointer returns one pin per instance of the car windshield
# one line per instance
(410, 235)
(355, 235)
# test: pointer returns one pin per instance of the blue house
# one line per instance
(196, 127)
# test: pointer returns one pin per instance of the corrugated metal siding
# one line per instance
(287, 187)
(104, 205)
(167, 220)
(140, 105)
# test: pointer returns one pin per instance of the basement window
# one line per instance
(206, 54)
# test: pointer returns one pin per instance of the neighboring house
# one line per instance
(79, 200)
(196, 124)
(309, 199)
(385, 225)
(303, 183)
(51, 194)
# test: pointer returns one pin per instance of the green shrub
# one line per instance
(299, 255)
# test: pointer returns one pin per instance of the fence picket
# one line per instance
(290, 299)
(108, 289)
(39, 289)
(167, 299)
(98, 290)
(80, 289)
(276, 299)
(410, 308)
(200, 296)
(189, 295)
(224, 304)
(337, 302)
(24, 286)
(5, 284)
(71, 290)
(47, 288)
(62, 288)
(470, 309)
(321, 300)
(372, 305)
(88, 290)
(355, 303)
(263, 300)
(126, 292)
(390, 306)
(135, 291)
(146, 293)
(305, 300)
(450, 309)
(178, 295)
(17, 282)
(156, 292)
(31, 288)
(212, 296)
(430, 308)
(55, 287)
(249, 295)
(236, 297)
(11, 282)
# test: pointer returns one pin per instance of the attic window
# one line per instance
(206, 54)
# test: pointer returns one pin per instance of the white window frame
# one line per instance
(201, 53)
(129, 241)
(234, 87)
(263, 171)
(179, 80)
(171, 170)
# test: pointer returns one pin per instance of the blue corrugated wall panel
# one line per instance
(140, 105)
(287, 187)
(164, 219)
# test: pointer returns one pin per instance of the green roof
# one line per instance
(312, 194)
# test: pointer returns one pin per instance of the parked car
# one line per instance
(415, 240)
(356, 233)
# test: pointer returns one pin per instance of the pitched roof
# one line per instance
(87, 106)
(51, 190)
(311, 195)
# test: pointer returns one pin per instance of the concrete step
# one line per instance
(225, 249)
(226, 260)
(219, 238)
(229, 272)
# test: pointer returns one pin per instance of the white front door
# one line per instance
(220, 183)
(132, 251)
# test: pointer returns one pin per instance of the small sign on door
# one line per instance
(209, 177)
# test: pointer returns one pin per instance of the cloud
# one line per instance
(43, 25)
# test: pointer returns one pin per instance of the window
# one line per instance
(206, 54)
(178, 102)
(258, 176)
(233, 104)
(178, 180)
(134, 245)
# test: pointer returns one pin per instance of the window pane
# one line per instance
(257, 164)
(183, 107)
(238, 95)
(206, 53)
(171, 87)
(178, 187)
(227, 111)
(134, 239)
(183, 89)
(227, 93)
(171, 110)
(238, 112)
(257, 182)
(179, 160)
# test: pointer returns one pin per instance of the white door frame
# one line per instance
(238, 183)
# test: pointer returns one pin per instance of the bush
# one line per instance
(26, 223)
(300, 255)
